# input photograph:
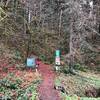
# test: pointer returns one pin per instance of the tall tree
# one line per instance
(82, 25)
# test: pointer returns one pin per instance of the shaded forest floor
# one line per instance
(21, 84)
(76, 85)
(16, 82)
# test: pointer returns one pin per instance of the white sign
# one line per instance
(57, 60)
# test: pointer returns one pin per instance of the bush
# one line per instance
(65, 69)
(79, 67)
(43, 57)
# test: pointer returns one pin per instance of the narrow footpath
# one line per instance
(46, 88)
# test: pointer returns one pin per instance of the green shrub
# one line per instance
(43, 57)
(79, 67)
(65, 70)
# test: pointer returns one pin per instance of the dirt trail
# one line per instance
(46, 88)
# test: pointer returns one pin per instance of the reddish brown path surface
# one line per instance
(46, 88)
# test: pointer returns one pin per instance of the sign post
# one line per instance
(57, 59)
(31, 63)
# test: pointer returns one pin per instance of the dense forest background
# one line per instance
(40, 27)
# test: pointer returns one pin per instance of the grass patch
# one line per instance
(11, 87)
(57, 82)
(76, 85)
(80, 98)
